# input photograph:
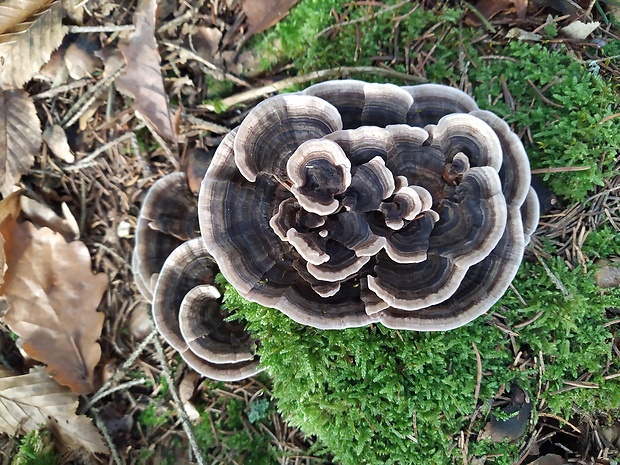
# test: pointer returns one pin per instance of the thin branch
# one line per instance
(212, 69)
(178, 404)
(87, 161)
(478, 374)
(364, 18)
(54, 91)
(119, 373)
(89, 97)
(112, 28)
(555, 279)
(563, 169)
(100, 395)
(542, 97)
(173, 158)
(104, 430)
(254, 94)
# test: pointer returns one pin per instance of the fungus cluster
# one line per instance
(343, 205)
(173, 270)
(351, 203)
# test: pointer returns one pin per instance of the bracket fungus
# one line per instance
(351, 203)
(173, 270)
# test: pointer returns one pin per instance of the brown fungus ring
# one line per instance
(351, 203)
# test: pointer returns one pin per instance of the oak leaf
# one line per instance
(53, 298)
(28, 401)
(20, 136)
(142, 79)
(26, 46)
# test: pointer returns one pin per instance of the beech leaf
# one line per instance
(262, 14)
(53, 298)
(27, 46)
(20, 137)
(9, 211)
(489, 8)
(28, 401)
(142, 78)
(13, 12)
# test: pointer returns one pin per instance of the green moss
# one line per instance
(154, 415)
(602, 243)
(36, 448)
(360, 389)
(567, 132)
(224, 425)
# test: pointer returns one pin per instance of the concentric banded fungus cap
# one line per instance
(352, 203)
(187, 312)
(167, 218)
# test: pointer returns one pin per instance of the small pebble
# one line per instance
(608, 277)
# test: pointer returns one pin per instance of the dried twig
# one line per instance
(478, 375)
(178, 404)
(82, 104)
(121, 387)
(364, 18)
(101, 425)
(54, 91)
(562, 169)
(119, 373)
(540, 95)
(212, 69)
(172, 157)
(88, 160)
(561, 420)
(315, 75)
(555, 279)
(111, 28)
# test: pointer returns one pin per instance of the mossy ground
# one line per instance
(374, 395)
(371, 395)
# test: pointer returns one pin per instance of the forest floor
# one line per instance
(207, 56)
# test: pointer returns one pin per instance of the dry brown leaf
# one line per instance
(80, 60)
(206, 41)
(549, 459)
(20, 137)
(53, 298)
(9, 211)
(512, 428)
(28, 401)
(580, 30)
(186, 392)
(142, 78)
(42, 215)
(56, 139)
(489, 8)
(140, 323)
(74, 9)
(25, 47)
(13, 12)
(262, 14)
